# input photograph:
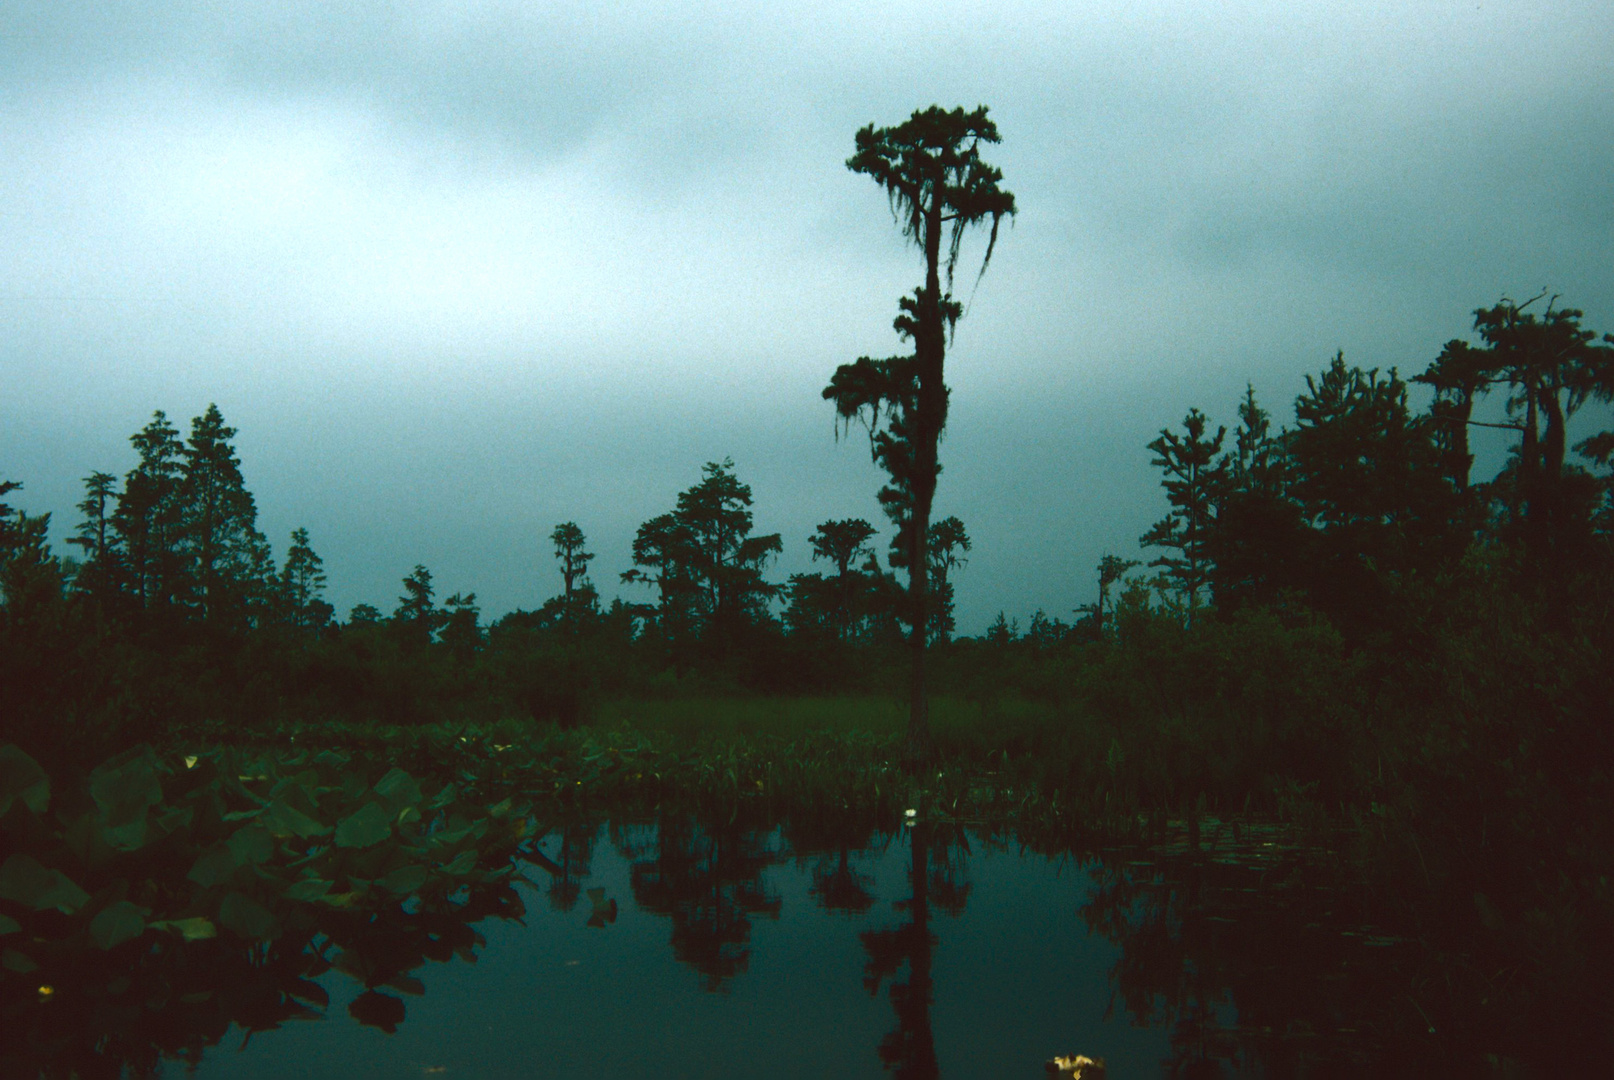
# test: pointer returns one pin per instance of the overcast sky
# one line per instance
(459, 272)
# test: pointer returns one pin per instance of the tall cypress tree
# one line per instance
(932, 171)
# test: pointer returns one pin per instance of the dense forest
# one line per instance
(1336, 622)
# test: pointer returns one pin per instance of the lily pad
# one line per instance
(22, 778)
(307, 890)
(25, 881)
(252, 844)
(307, 990)
(195, 928)
(463, 863)
(214, 865)
(398, 788)
(126, 786)
(404, 880)
(282, 819)
(247, 917)
(370, 825)
(14, 961)
(116, 924)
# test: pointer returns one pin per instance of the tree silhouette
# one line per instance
(147, 516)
(95, 536)
(1552, 367)
(705, 562)
(302, 579)
(931, 169)
(841, 543)
(1111, 568)
(572, 555)
(709, 883)
(416, 614)
(948, 544)
(1192, 481)
(1371, 486)
(226, 555)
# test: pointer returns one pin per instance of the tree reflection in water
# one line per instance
(709, 882)
(572, 863)
(119, 1012)
(935, 875)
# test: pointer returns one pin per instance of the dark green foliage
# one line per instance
(1111, 569)
(417, 615)
(301, 581)
(580, 598)
(706, 565)
(948, 545)
(849, 605)
(1193, 482)
(148, 518)
(226, 560)
(150, 906)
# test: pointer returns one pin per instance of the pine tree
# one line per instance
(301, 581)
(95, 536)
(1192, 482)
(416, 613)
(147, 519)
(225, 553)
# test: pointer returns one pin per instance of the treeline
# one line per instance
(172, 612)
(1361, 521)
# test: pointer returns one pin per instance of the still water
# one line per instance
(671, 950)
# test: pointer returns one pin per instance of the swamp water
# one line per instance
(673, 950)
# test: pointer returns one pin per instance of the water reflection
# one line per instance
(909, 1050)
(1256, 960)
(708, 882)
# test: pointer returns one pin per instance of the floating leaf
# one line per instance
(23, 880)
(307, 890)
(282, 819)
(252, 845)
(194, 928)
(499, 810)
(445, 795)
(463, 863)
(247, 917)
(126, 786)
(404, 880)
(196, 998)
(214, 865)
(116, 924)
(12, 960)
(22, 778)
(366, 827)
(8, 925)
(398, 788)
